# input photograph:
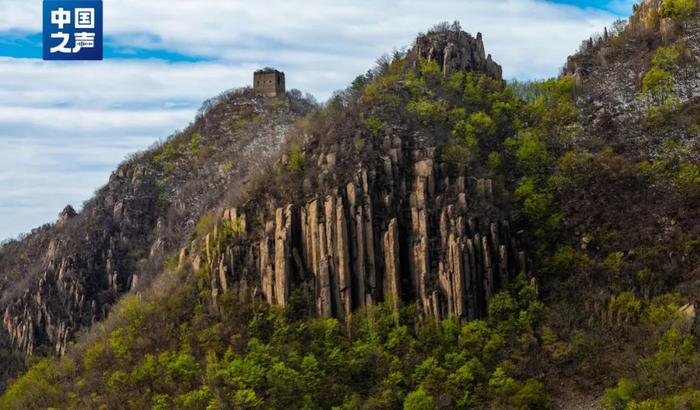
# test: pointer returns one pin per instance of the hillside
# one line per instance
(431, 237)
(64, 277)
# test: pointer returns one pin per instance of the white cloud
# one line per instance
(65, 126)
(528, 37)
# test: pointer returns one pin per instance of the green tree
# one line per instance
(688, 179)
(532, 154)
(419, 400)
(658, 83)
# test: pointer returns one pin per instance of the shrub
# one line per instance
(375, 126)
(431, 71)
(659, 116)
(688, 179)
(666, 58)
(428, 111)
(658, 83)
(678, 10)
(494, 160)
(535, 204)
(617, 397)
(205, 224)
(381, 91)
(567, 260)
(35, 389)
(625, 306)
(532, 154)
(296, 159)
(456, 153)
(478, 127)
(195, 140)
(169, 155)
(614, 261)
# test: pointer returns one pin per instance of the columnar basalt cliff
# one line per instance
(400, 226)
(405, 231)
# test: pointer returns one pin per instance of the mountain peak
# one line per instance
(455, 50)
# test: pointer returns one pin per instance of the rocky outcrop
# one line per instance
(403, 229)
(456, 50)
(65, 215)
(83, 270)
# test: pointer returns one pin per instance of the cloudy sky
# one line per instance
(65, 125)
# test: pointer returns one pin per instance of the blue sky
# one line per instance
(64, 126)
(620, 7)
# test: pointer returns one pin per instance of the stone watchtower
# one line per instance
(269, 82)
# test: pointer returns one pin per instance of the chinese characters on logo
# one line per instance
(72, 30)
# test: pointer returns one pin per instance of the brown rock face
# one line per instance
(403, 229)
(456, 50)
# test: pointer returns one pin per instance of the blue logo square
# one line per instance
(73, 30)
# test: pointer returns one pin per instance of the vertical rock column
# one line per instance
(392, 280)
(356, 230)
(343, 259)
(283, 252)
(266, 271)
(454, 269)
(326, 253)
(419, 252)
(368, 229)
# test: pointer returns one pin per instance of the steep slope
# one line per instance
(65, 276)
(622, 274)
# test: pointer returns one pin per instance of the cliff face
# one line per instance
(375, 218)
(65, 276)
(418, 184)
(402, 228)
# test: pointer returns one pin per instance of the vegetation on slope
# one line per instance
(167, 351)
